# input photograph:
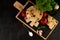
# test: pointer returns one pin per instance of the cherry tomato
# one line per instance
(43, 21)
(23, 14)
(44, 14)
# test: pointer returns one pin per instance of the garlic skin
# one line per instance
(56, 7)
(30, 34)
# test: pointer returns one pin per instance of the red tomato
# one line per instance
(44, 14)
(23, 14)
(43, 21)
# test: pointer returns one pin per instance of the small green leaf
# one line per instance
(40, 27)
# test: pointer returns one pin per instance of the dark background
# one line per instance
(12, 29)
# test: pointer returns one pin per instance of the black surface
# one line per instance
(12, 29)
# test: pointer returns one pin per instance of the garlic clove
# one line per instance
(30, 34)
(56, 6)
(40, 32)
